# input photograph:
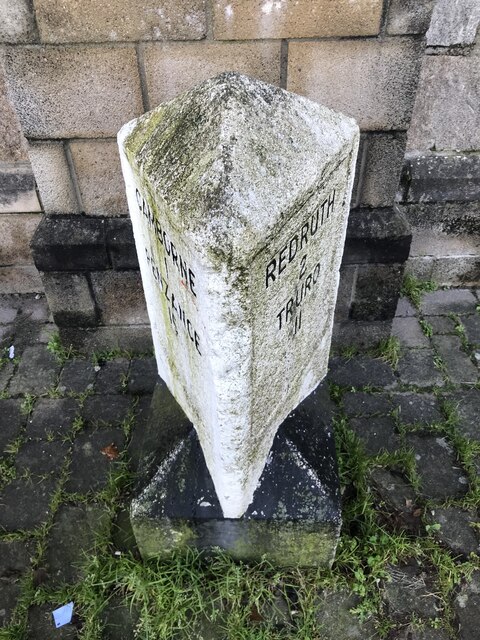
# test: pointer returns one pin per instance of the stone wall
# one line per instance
(20, 209)
(441, 179)
(77, 71)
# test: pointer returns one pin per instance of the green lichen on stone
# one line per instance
(280, 543)
(161, 538)
(287, 543)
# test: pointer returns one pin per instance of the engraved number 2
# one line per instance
(303, 266)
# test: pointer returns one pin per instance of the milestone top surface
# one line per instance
(240, 145)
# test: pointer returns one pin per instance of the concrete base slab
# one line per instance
(294, 519)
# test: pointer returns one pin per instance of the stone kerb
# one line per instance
(239, 194)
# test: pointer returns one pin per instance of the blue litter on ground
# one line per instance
(63, 615)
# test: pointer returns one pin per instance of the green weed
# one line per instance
(426, 328)
(104, 355)
(349, 351)
(60, 351)
(27, 404)
(389, 351)
(336, 392)
(414, 289)
(7, 471)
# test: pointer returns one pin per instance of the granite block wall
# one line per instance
(440, 187)
(72, 73)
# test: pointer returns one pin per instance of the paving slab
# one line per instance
(135, 445)
(71, 539)
(53, 416)
(466, 607)
(415, 408)
(409, 333)
(90, 468)
(6, 373)
(15, 563)
(471, 324)
(396, 502)
(467, 408)
(442, 302)
(35, 308)
(36, 373)
(106, 409)
(366, 404)
(376, 433)
(414, 633)
(41, 626)
(441, 324)
(26, 504)
(333, 612)
(119, 620)
(393, 489)
(112, 377)
(360, 371)
(416, 367)
(11, 421)
(456, 531)
(411, 591)
(405, 309)
(8, 309)
(15, 558)
(39, 458)
(9, 594)
(460, 369)
(440, 474)
(77, 376)
(143, 376)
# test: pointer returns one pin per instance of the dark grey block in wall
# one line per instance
(384, 154)
(378, 235)
(70, 299)
(441, 178)
(121, 244)
(377, 292)
(70, 243)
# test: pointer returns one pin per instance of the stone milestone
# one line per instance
(239, 195)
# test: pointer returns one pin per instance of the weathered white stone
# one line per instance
(239, 194)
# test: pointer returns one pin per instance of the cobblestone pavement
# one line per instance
(67, 431)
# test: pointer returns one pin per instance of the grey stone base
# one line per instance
(294, 519)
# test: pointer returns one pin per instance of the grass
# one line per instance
(389, 351)
(414, 289)
(104, 355)
(59, 350)
(27, 404)
(426, 327)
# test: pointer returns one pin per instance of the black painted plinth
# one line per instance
(294, 518)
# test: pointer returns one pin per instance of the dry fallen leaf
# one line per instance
(255, 615)
(417, 513)
(111, 451)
